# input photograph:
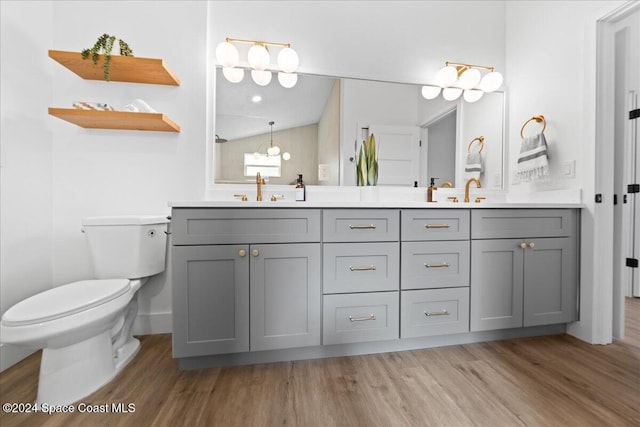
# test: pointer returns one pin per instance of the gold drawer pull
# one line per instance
(362, 227)
(242, 253)
(362, 319)
(436, 313)
(442, 264)
(255, 252)
(437, 226)
(365, 268)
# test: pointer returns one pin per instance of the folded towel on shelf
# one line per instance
(533, 160)
(473, 167)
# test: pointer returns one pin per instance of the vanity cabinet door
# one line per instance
(210, 300)
(497, 272)
(285, 296)
(549, 281)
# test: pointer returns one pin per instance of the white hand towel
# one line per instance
(474, 166)
(533, 160)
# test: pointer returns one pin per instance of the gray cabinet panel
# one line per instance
(360, 267)
(497, 268)
(549, 281)
(210, 300)
(285, 296)
(435, 264)
(512, 223)
(351, 318)
(360, 225)
(233, 226)
(435, 224)
(434, 312)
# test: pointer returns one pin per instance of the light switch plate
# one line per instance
(569, 169)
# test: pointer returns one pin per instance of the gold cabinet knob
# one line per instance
(255, 252)
(242, 253)
(532, 245)
(523, 245)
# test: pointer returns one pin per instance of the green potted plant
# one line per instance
(105, 44)
(367, 166)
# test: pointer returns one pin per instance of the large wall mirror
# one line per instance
(318, 125)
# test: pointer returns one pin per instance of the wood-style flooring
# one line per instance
(541, 381)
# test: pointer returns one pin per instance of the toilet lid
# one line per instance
(64, 301)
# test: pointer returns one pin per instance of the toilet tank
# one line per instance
(126, 247)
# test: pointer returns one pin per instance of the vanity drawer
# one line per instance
(435, 264)
(360, 225)
(434, 312)
(207, 226)
(514, 223)
(435, 224)
(360, 267)
(351, 318)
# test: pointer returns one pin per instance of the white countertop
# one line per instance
(359, 204)
(382, 197)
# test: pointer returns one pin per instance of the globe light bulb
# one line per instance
(258, 57)
(261, 78)
(447, 76)
(287, 80)
(286, 155)
(491, 82)
(430, 92)
(234, 75)
(472, 95)
(288, 60)
(451, 93)
(227, 54)
(469, 79)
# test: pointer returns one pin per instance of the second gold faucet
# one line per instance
(466, 188)
(259, 182)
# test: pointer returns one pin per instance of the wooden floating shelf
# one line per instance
(121, 120)
(122, 69)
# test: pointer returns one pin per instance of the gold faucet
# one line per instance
(259, 182)
(446, 184)
(466, 188)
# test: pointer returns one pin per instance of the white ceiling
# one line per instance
(238, 117)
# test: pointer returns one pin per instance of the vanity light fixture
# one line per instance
(455, 78)
(273, 150)
(259, 59)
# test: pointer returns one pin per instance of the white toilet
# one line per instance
(84, 328)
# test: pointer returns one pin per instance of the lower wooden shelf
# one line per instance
(122, 120)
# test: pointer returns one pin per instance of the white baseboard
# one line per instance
(11, 354)
(152, 323)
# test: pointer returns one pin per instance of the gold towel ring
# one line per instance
(539, 118)
(481, 139)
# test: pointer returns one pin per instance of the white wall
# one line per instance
(26, 216)
(54, 173)
(102, 172)
(551, 63)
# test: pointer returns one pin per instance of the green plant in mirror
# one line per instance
(105, 44)
(367, 166)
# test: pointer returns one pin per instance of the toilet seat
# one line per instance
(64, 301)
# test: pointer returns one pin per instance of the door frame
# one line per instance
(603, 215)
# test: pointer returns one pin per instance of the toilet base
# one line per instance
(71, 373)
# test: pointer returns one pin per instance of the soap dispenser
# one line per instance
(301, 195)
(431, 189)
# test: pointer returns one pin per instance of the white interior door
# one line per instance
(398, 154)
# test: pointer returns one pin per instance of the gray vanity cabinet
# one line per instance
(434, 295)
(210, 299)
(526, 275)
(245, 280)
(361, 274)
(285, 296)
